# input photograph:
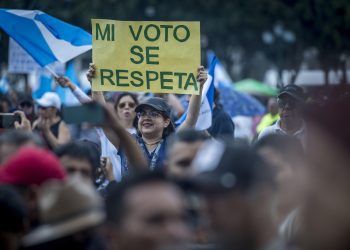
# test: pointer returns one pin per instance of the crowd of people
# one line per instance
(136, 181)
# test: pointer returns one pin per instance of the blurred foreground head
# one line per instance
(285, 155)
(326, 216)
(13, 217)
(12, 140)
(79, 158)
(27, 170)
(239, 187)
(70, 213)
(182, 149)
(146, 212)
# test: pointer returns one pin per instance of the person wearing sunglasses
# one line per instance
(290, 101)
(125, 107)
(49, 123)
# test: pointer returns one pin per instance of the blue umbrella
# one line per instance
(235, 103)
(238, 103)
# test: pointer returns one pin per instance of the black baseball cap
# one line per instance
(293, 91)
(160, 105)
(224, 166)
(156, 103)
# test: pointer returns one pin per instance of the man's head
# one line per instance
(146, 212)
(285, 155)
(290, 100)
(238, 186)
(182, 148)
(79, 158)
(26, 104)
(326, 219)
(12, 140)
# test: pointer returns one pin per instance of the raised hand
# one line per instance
(202, 76)
(24, 123)
(91, 72)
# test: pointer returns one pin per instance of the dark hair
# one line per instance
(288, 146)
(134, 98)
(20, 137)
(115, 202)
(188, 135)
(329, 110)
(12, 210)
(81, 150)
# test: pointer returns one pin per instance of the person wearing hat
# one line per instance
(239, 190)
(71, 214)
(154, 124)
(49, 124)
(290, 101)
(27, 170)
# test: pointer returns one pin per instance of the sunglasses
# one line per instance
(43, 108)
(282, 103)
(152, 114)
(123, 105)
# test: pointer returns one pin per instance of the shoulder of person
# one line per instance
(267, 131)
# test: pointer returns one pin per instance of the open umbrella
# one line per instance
(255, 88)
(240, 104)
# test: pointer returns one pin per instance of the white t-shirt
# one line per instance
(107, 148)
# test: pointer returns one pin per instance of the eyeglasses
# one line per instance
(152, 114)
(43, 108)
(123, 105)
(282, 103)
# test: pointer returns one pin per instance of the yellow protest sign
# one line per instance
(158, 57)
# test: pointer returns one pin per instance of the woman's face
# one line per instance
(126, 108)
(47, 113)
(151, 122)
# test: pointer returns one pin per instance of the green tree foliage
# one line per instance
(228, 26)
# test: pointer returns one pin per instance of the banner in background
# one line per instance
(158, 57)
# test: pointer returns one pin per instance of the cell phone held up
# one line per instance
(92, 113)
(7, 120)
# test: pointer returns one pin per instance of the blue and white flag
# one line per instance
(222, 78)
(206, 110)
(234, 102)
(65, 94)
(45, 38)
(42, 84)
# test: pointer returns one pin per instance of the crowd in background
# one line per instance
(136, 181)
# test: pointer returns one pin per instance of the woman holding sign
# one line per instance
(154, 123)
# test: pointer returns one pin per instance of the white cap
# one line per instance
(49, 99)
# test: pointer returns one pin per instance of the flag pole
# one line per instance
(51, 71)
